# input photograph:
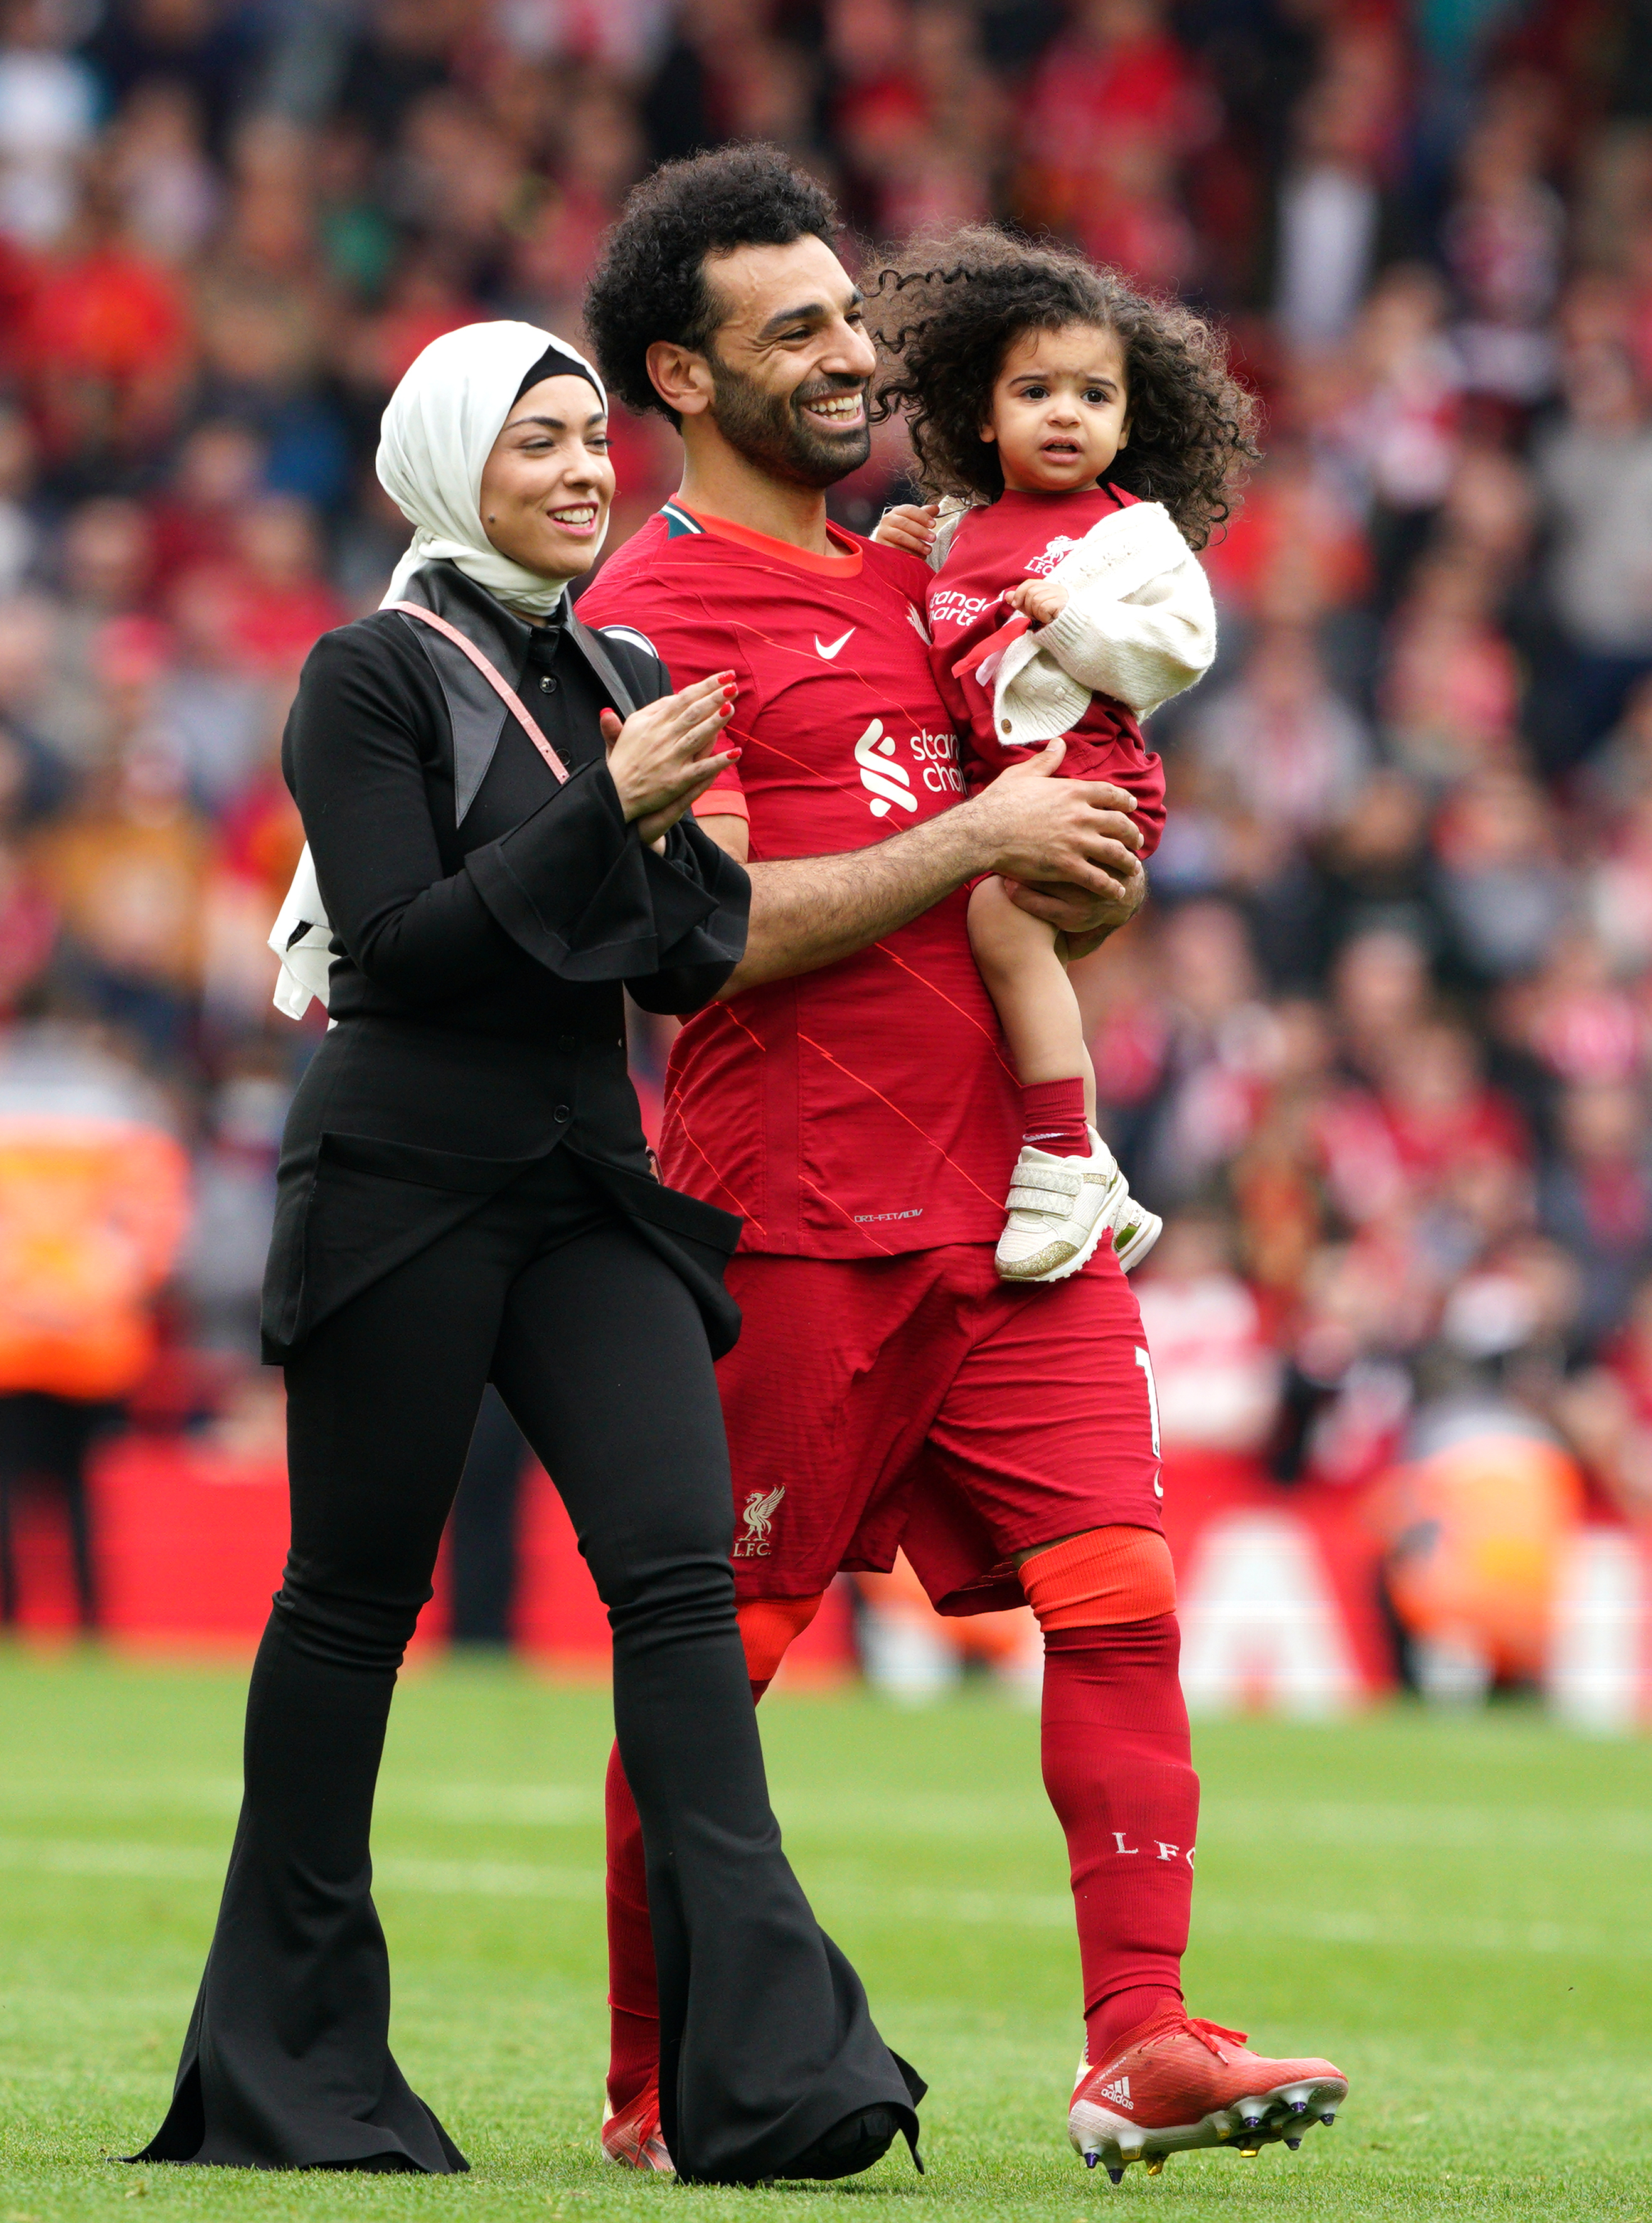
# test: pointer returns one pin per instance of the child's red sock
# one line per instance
(1052, 1119)
(1119, 1774)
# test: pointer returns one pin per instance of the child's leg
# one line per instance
(1043, 1240)
(1016, 954)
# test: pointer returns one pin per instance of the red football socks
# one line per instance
(1119, 1774)
(633, 1991)
(1052, 1119)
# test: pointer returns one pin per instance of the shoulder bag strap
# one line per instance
(502, 687)
(603, 664)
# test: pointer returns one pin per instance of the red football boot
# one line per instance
(632, 2137)
(1173, 2083)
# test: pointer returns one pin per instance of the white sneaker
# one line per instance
(1135, 1229)
(1060, 1209)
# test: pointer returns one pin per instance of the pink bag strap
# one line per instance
(502, 687)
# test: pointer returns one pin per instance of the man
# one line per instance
(851, 1098)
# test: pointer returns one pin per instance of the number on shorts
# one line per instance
(1146, 1366)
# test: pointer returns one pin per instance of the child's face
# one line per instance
(1060, 410)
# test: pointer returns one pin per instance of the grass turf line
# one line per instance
(1458, 1912)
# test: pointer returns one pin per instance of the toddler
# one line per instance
(1082, 441)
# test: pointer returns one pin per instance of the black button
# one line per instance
(548, 684)
(561, 1113)
(567, 1044)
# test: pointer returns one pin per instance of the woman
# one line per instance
(465, 1196)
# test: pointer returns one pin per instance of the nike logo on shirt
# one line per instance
(829, 653)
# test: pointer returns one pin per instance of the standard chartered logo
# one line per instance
(889, 784)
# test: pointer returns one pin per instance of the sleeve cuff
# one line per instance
(1070, 637)
(575, 888)
(722, 803)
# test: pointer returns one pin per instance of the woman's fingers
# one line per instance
(696, 778)
(681, 795)
(704, 712)
(706, 730)
(689, 701)
(659, 753)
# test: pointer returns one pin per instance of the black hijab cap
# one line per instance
(556, 363)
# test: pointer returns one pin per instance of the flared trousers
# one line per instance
(599, 1352)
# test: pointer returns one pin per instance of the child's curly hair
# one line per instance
(945, 315)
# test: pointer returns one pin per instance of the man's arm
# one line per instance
(809, 911)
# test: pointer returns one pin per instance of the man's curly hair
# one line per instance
(945, 315)
(650, 284)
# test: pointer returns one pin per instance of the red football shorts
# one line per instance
(919, 1404)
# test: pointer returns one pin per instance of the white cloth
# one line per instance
(302, 938)
(434, 440)
(1139, 625)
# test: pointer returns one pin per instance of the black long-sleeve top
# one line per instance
(485, 922)
(526, 911)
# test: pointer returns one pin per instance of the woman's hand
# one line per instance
(908, 526)
(658, 758)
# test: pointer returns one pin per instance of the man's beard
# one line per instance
(771, 429)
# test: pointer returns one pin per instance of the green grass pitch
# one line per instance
(1459, 1912)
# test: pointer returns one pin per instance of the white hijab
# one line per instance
(434, 439)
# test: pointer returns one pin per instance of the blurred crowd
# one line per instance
(1379, 1047)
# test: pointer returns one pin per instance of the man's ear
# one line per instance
(681, 378)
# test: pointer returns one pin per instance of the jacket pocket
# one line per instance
(366, 1207)
(423, 1168)
(639, 1196)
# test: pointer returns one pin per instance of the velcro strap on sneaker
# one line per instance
(1052, 1174)
(1024, 1197)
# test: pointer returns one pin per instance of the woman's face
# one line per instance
(547, 482)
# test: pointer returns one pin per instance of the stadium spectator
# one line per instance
(1595, 469)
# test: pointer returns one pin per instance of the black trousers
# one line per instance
(481, 1535)
(599, 1352)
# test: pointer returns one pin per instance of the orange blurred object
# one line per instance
(1477, 1532)
(90, 1217)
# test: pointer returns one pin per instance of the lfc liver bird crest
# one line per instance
(759, 1517)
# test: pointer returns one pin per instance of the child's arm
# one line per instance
(1042, 601)
(1140, 647)
(909, 527)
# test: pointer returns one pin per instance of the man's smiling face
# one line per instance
(790, 362)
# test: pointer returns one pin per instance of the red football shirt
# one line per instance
(871, 1107)
(1024, 536)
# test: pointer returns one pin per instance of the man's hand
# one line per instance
(1038, 828)
(1086, 921)
(910, 528)
(1040, 600)
(809, 911)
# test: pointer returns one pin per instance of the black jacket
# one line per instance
(484, 919)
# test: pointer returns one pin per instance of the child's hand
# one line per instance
(1040, 600)
(909, 527)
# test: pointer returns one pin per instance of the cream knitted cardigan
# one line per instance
(1139, 625)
